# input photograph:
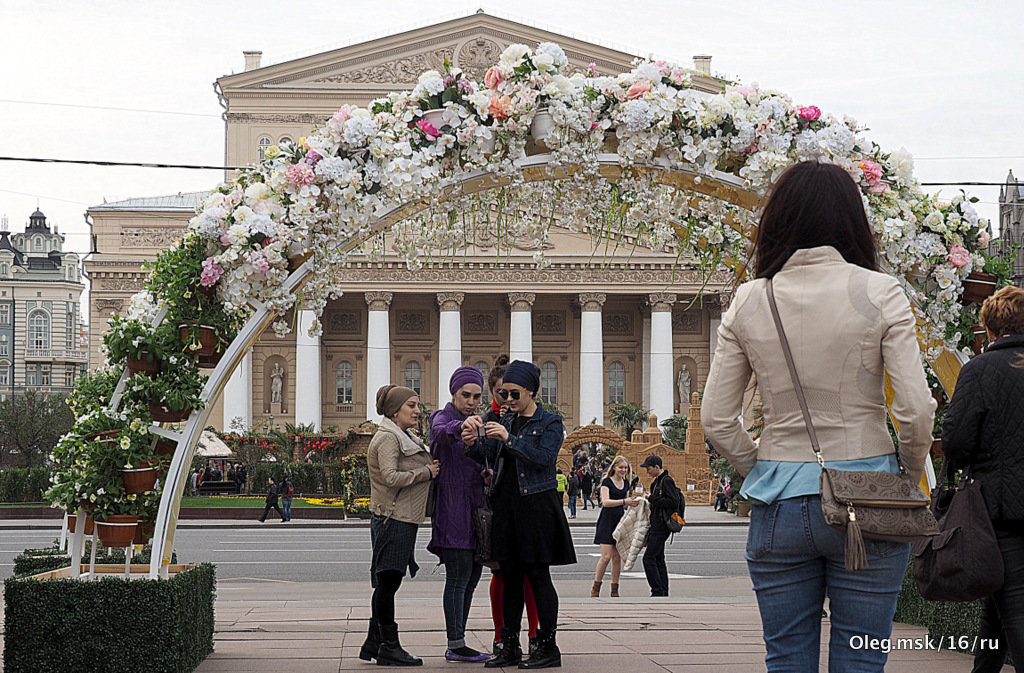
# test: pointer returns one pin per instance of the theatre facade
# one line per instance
(608, 322)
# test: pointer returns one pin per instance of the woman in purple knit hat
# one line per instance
(460, 490)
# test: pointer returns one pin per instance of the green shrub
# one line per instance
(114, 624)
(23, 484)
(35, 561)
(351, 476)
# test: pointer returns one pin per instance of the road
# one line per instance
(278, 552)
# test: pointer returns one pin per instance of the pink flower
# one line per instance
(225, 240)
(299, 175)
(428, 129)
(259, 262)
(591, 69)
(810, 113)
(637, 90)
(958, 256)
(493, 77)
(878, 188)
(211, 272)
(342, 115)
(984, 238)
(745, 91)
(312, 158)
(872, 172)
(499, 107)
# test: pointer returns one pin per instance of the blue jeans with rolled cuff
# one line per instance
(461, 575)
(795, 559)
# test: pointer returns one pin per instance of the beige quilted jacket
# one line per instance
(631, 532)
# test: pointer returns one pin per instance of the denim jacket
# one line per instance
(535, 449)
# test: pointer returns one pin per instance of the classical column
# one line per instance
(521, 332)
(378, 348)
(307, 372)
(716, 322)
(591, 358)
(645, 359)
(449, 342)
(238, 394)
(662, 369)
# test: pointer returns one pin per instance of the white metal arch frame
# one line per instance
(535, 168)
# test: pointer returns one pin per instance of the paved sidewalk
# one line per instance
(709, 623)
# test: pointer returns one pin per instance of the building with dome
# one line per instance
(40, 318)
(625, 325)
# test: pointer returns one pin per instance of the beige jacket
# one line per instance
(399, 483)
(630, 534)
(846, 326)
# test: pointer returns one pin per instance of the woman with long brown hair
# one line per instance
(615, 499)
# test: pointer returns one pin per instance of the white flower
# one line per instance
(556, 53)
(903, 165)
(543, 62)
(513, 56)
(648, 71)
(257, 191)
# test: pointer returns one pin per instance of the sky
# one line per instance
(130, 81)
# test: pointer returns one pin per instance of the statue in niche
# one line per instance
(276, 384)
(683, 386)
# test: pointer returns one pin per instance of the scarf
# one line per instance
(495, 407)
(409, 444)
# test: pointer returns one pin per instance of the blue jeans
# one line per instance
(796, 559)
(572, 505)
(286, 507)
(461, 575)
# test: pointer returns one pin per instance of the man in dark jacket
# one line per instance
(272, 494)
(587, 486)
(664, 501)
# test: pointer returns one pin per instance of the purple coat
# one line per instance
(459, 486)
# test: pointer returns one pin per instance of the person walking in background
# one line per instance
(530, 533)
(816, 249)
(287, 491)
(561, 483)
(983, 434)
(572, 490)
(272, 495)
(401, 470)
(664, 499)
(614, 500)
(459, 491)
(587, 486)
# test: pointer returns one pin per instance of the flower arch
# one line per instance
(642, 154)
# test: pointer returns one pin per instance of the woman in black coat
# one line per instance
(983, 433)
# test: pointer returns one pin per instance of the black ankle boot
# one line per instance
(368, 651)
(391, 652)
(510, 653)
(547, 654)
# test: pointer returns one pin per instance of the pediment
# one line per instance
(472, 43)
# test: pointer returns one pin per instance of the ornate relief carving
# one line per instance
(450, 301)
(686, 322)
(133, 284)
(549, 323)
(149, 237)
(661, 302)
(521, 301)
(378, 301)
(618, 324)
(399, 71)
(341, 322)
(303, 118)
(413, 323)
(592, 301)
(482, 323)
(112, 305)
(477, 55)
(526, 274)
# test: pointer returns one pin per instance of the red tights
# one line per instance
(497, 591)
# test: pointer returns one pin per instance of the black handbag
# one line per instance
(962, 562)
(483, 527)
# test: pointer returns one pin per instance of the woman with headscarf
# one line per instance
(530, 532)
(459, 490)
(401, 470)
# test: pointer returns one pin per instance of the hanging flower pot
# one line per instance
(90, 525)
(209, 361)
(936, 449)
(118, 530)
(144, 532)
(162, 414)
(140, 479)
(978, 286)
(980, 336)
(208, 291)
(435, 117)
(142, 366)
(542, 126)
(165, 447)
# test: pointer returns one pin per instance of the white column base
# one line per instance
(308, 408)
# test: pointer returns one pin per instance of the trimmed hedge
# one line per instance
(35, 561)
(114, 624)
(23, 484)
(313, 478)
(942, 619)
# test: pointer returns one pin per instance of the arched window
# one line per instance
(345, 375)
(285, 139)
(616, 383)
(549, 383)
(39, 244)
(413, 375)
(262, 145)
(485, 371)
(39, 330)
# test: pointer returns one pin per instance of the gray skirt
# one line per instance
(394, 547)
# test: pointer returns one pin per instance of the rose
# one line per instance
(872, 172)
(637, 90)
(810, 113)
(493, 77)
(429, 130)
(984, 238)
(299, 175)
(958, 256)
(499, 107)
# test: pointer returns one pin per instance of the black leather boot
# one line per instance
(547, 654)
(391, 652)
(368, 651)
(510, 653)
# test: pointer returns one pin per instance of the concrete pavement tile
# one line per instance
(709, 659)
(216, 664)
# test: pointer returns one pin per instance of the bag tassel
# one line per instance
(856, 555)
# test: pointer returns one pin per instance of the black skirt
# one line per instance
(529, 528)
(393, 547)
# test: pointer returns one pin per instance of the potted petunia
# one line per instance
(142, 347)
(171, 395)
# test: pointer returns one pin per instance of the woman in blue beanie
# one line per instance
(530, 532)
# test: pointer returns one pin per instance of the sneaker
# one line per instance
(466, 655)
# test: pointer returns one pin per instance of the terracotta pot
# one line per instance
(209, 361)
(207, 339)
(143, 366)
(208, 291)
(140, 479)
(980, 337)
(978, 286)
(104, 436)
(90, 525)
(165, 447)
(936, 449)
(118, 530)
(144, 532)
(162, 414)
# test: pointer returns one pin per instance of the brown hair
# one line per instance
(811, 205)
(497, 371)
(1003, 312)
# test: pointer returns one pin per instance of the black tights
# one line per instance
(543, 592)
(383, 602)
